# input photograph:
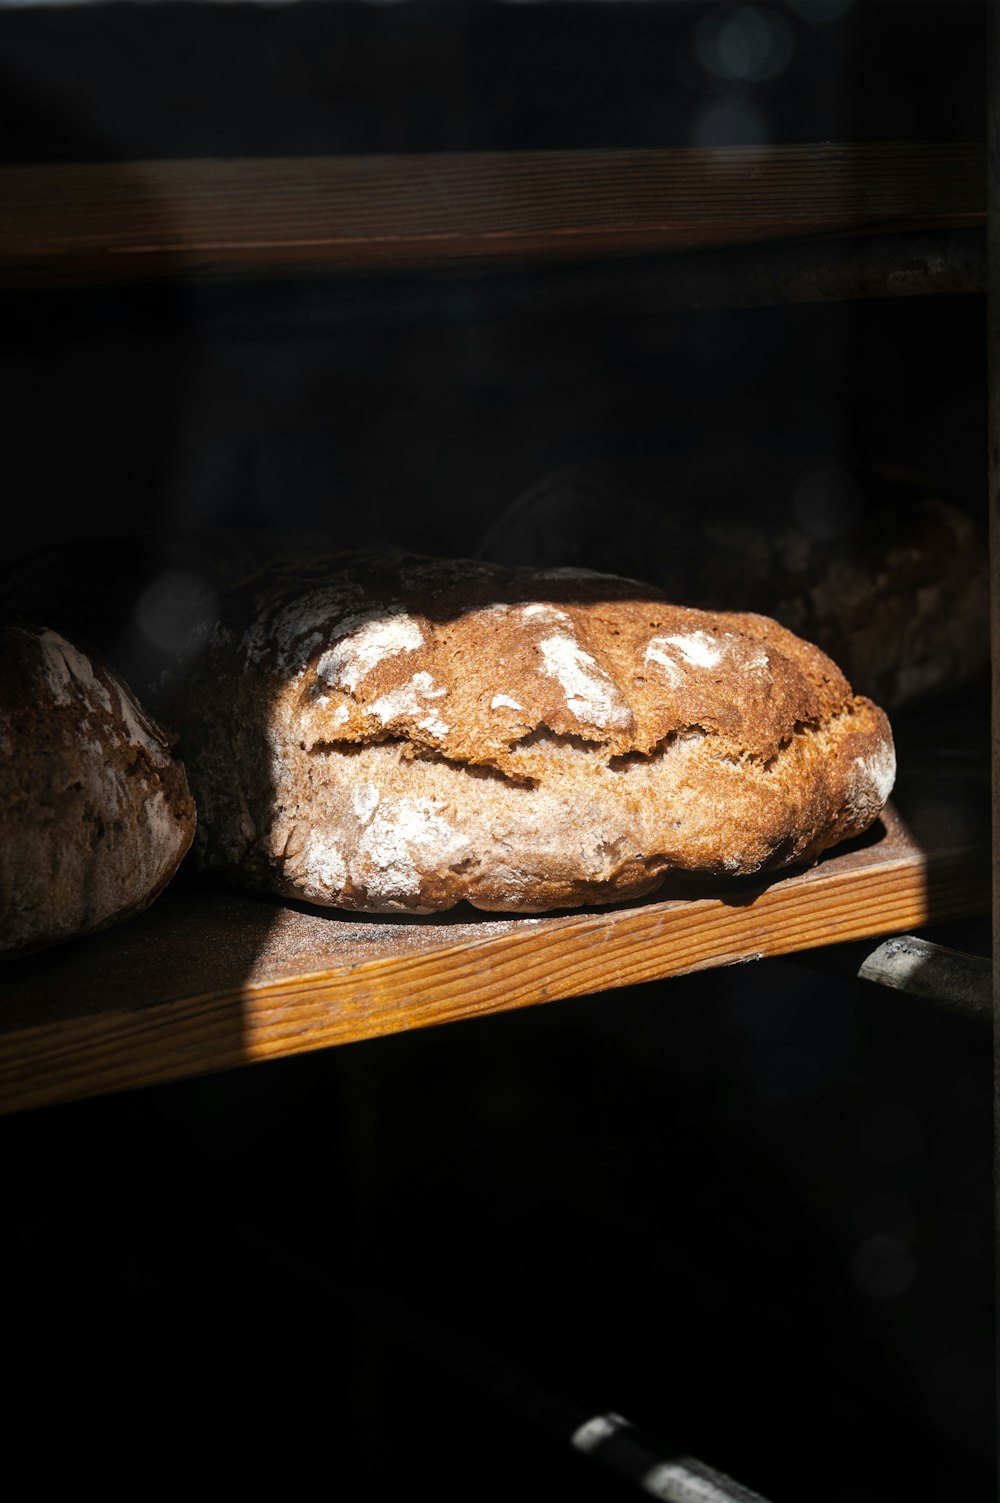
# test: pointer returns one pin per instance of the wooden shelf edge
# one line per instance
(416, 976)
(66, 224)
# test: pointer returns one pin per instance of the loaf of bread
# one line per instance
(895, 591)
(96, 812)
(399, 735)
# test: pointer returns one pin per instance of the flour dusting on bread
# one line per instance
(590, 693)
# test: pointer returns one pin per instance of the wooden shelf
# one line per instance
(212, 978)
(73, 223)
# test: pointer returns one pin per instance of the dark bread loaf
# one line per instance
(403, 734)
(96, 813)
(896, 591)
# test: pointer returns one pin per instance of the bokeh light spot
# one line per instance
(745, 43)
(732, 121)
(172, 606)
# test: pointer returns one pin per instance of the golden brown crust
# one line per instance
(96, 812)
(404, 734)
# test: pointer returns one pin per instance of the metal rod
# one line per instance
(954, 979)
(625, 1450)
(657, 1469)
(959, 981)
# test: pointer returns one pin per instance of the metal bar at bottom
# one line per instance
(659, 1470)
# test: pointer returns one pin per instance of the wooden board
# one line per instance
(212, 978)
(250, 216)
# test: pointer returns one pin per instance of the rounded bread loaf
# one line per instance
(401, 734)
(96, 812)
(896, 591)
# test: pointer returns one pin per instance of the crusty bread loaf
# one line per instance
(403, 734)
(96, 814)
(896, 591)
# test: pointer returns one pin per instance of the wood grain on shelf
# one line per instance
(66, 223)
(211, 978)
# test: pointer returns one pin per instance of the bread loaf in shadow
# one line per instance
(96, 812)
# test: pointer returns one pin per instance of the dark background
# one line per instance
(750, 1209)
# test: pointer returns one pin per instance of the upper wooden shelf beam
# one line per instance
(72, 223)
